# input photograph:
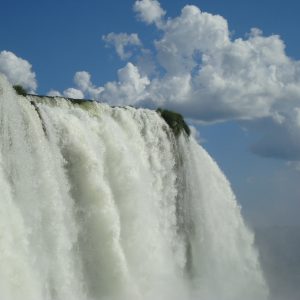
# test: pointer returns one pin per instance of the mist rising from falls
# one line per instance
(101, 203)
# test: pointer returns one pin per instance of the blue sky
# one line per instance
(60, 38)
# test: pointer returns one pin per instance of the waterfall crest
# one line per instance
(106, 203)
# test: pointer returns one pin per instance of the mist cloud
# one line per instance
(149, 11)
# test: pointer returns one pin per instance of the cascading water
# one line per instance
(105, 203)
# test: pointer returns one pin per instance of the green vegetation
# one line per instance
(175, 121)
(20, 90)
(72, 100)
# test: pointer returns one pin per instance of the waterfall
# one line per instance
(102, 203)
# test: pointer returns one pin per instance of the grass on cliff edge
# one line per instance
(175, 121)
(20, 90)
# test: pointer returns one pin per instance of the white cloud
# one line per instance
(146, 63)
(192, 33)
(171, 90)
(149, 11)
(73, 93)
(229, 79)
(129, 89)
(17, 70)
(54, 93)
(121, 41)
(198, 69)
(83, 80)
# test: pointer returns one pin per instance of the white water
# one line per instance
(104, 203)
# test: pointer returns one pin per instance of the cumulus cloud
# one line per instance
(223, 78)
(210, 77)
(121, 41)
(149, 11)
(54, 93)
(129, 89)
(192, 33)
(83, 80)
(196, 67)
(73, 93)
(17, 70)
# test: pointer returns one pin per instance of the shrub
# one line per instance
(20, 90)
(175, 121)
